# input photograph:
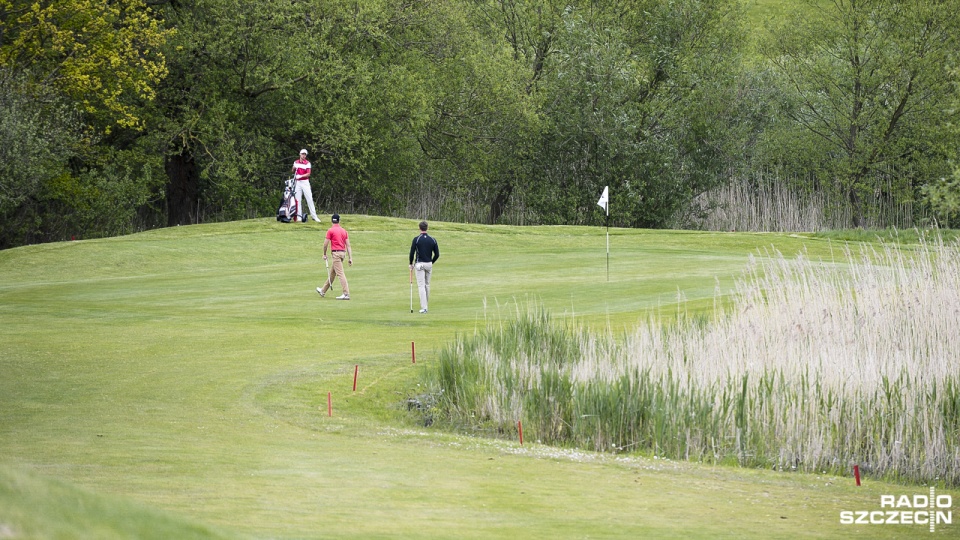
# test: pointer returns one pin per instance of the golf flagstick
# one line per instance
(605, 203)
(411, 289)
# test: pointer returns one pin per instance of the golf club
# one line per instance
(326, 265)
(329, 286)
(411, 289)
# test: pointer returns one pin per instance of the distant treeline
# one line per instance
(122, 116)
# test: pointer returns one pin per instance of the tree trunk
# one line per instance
(183, 187)
(499, 203)
(856, 205)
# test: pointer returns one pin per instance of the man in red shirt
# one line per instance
(339, 243)
(301, 173)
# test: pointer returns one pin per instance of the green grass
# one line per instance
(890, 236)
(178, 380)
(68, 512)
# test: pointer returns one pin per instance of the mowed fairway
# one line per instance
(181, 376)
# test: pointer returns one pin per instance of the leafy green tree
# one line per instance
(592, 131)
(526, 30)
(74, 76)
(688, 54)
(628, 90)
(943, 194)
(217, 111)
(105, 56)
(252, 82)
(869, 93)
(36, 134)
(483, 116)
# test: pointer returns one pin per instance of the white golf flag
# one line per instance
(604, 199)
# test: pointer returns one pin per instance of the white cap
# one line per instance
(304, 151)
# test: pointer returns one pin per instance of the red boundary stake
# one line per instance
(329, 405)
(413, 352)
(356, 370)
(856, 474)
(520, 430)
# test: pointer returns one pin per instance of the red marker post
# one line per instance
(520, 431)
(356, 370)
(856, 474)
(329, 405)
(413, 352)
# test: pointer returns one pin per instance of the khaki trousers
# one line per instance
(336, 270)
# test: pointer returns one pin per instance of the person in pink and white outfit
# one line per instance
(301, 173)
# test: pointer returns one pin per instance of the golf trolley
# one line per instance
(289, 210)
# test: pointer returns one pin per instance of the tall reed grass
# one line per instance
(770, 203)
(808, 366)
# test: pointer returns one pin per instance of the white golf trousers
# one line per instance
(303, 188)
(423, 271)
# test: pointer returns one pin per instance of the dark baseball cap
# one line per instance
(335, 218)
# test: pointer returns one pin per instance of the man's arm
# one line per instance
(436, 252)
(326, 243)
(349, 253)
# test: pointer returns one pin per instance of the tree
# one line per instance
(105, 56)
(483, 114)
(73, 75)
(943, 194)
(627, 92)
(35, 135)
(252, 82)
(231, 65)
(868, 84)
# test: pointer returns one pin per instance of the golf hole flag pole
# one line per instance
(605, 203)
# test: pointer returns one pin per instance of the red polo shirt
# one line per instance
(337, 236)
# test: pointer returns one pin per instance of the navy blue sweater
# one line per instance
(425, 249)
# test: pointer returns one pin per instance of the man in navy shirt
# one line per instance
(423, 253)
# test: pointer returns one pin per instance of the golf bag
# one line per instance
(288, 205)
